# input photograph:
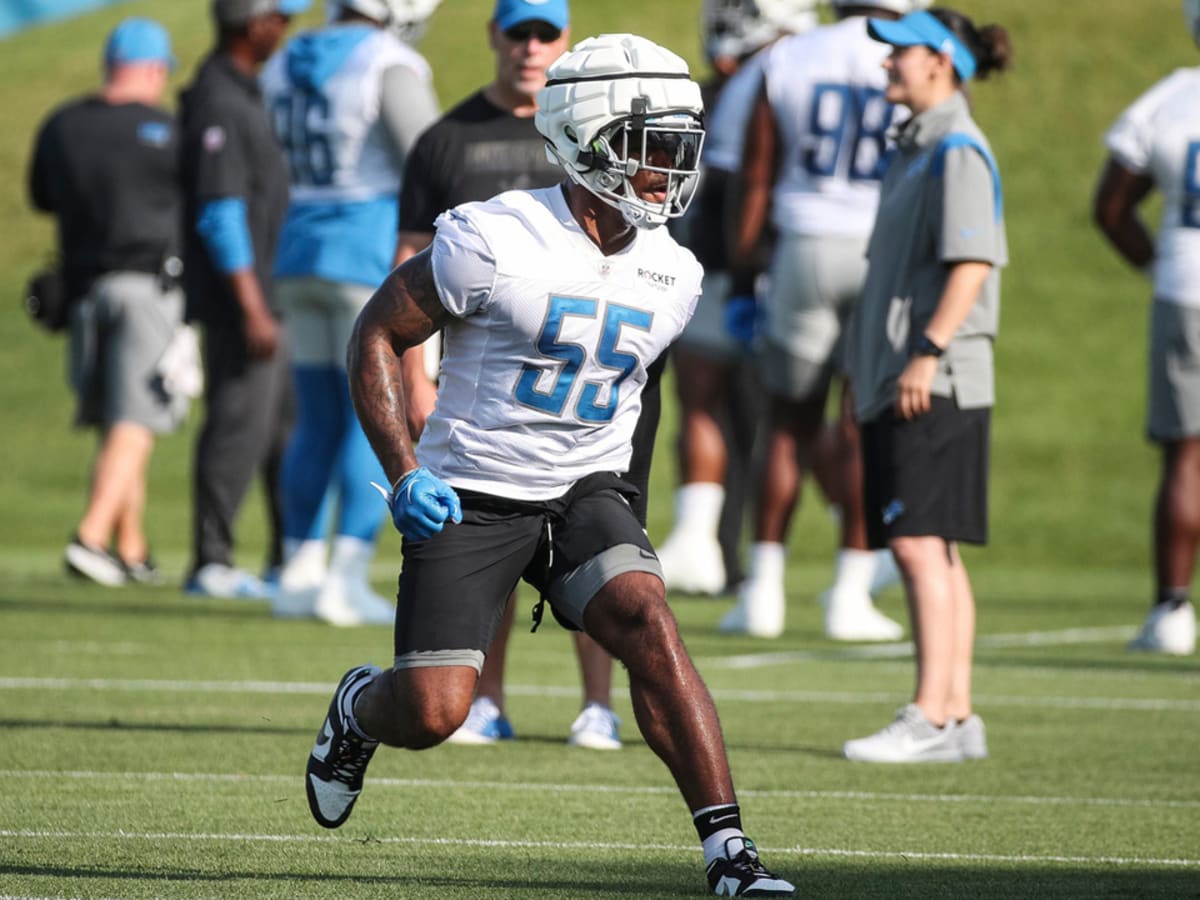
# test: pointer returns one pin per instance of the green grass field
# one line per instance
(153, 745)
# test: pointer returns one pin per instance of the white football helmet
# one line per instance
(404, 18)
(618, 104)
(1191, 12)
(903, 7)
(737, 28)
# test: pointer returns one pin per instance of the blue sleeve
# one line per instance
(223, 227)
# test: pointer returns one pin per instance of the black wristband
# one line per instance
(926, 347)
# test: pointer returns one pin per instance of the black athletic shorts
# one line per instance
(927, 476)
(454, 586)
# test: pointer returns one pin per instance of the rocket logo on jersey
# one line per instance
(594, 398)
(659, 280)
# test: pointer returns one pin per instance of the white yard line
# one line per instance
(585, 788)
(1022, 858)
(1150, 704)
(902, 649)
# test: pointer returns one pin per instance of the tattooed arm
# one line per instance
(401, 314)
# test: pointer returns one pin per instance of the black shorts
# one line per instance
(927, 476)
(454, 586)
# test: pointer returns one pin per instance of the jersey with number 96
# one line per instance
(546, 354)
(825, 88)
(1159, 137)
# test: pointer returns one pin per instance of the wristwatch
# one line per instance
(926, 347)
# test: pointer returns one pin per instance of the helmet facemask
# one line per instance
(667, 144)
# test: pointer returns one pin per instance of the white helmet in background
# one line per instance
(618, 104)
(404, 18)
(737, 28)
(1191, 12)
(903, 7)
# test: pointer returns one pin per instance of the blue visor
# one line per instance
(923, 29)
(293, 7)
(138, 41)
(513, 12)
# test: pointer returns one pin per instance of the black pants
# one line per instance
(249, 410)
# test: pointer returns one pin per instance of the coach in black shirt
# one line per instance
(106, 167)
(484, 146)
(235, 196)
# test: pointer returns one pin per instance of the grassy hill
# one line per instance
(1072, 476)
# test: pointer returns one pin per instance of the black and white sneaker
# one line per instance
(95, 563)
(744, 875)
(334, 776)
(144, 571)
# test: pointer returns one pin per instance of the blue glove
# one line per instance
(421, 504)
(741, 318)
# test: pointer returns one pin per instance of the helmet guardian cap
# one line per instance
(404, 18)
(617, 105)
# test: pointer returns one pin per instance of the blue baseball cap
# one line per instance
(138, 41)
(923, 29)
(513, 12)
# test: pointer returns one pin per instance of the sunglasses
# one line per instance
(534, 28)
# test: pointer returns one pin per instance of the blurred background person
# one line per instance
(485, 145)
(922, 367)
(714, 376)
(347, 102)
(235, 187)
(815, 152)
(106, 167)
(1156, 144)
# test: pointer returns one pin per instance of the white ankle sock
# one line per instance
(854, 571)
(698, 507)
(767, 561)
(886, 573)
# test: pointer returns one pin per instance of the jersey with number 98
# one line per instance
(546, 354)
(825, 88)
(1159, 137)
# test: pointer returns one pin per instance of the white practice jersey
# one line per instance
(324, 98)
(826, 89)
(546, 355)
(1159, 137)
(725, 130)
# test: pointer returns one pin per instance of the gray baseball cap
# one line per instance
(239, 12)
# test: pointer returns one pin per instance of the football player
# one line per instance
(347, 102)
(1156, 144)
(813, 161)
(714, 377)
(552, 304)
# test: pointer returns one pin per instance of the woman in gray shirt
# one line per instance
(921, 365)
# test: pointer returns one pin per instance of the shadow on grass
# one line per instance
(153, 727)
(601, 881)
(636, 878)
(161, 604)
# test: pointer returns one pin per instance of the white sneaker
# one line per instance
(95, 563)
(910, 738)
(226, 582)
(855, 618)
(1169, 630)
(972, 738)
(692, 563)
(300, 581)
(485, 724)
(346, 597)
(347, 602)
(595, 728)
(759, 611)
